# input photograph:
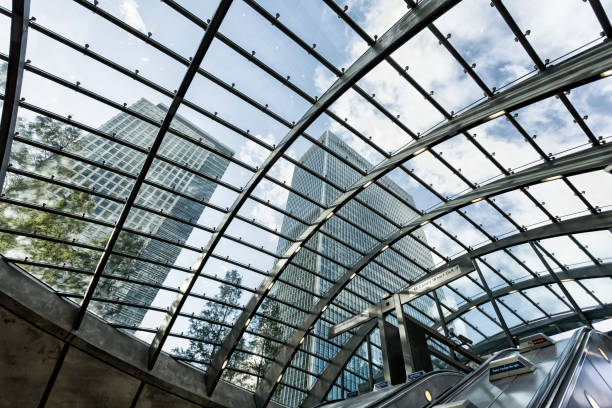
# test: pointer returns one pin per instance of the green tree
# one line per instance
(223, 310)
(49, 223)
(262, 345)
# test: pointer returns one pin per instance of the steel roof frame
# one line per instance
(594, 3)
(585, 272)
(127, 72)
(14, 78)
(372, 57)
(207, 39)
(524, 93)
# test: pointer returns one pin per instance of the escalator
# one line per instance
(574, 372)
(411, 394)
(571, 373)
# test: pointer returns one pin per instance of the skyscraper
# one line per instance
(343, 175)
(174, 148)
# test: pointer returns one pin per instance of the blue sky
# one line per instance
(476, 30)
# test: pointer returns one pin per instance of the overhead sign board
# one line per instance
(381, 385)
(535, 341)
(415, 375)
(420, 288)
(509, 367)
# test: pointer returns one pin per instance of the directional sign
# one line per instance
(509, 366)
(381, 385)
(352, 394)
(415, 375)
(420, 288)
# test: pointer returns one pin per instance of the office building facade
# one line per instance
(174, 148)
(341, 174)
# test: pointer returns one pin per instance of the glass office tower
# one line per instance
(341, 174)
(141, 133)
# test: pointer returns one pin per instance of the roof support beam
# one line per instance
(578, 70)
(587, 160)
(586, 272)
(165, 126)
(592, 222)
(327, 379)
(600, 13)
(556, 279)
(500, 317)
(408, 26)
(14, 77)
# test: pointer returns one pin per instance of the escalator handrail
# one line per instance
(470, 378)
(563, 370)
(410, 385)
(400, 387)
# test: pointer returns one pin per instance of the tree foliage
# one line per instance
(50, 222)
(209, 326)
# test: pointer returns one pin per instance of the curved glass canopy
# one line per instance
(228, 180)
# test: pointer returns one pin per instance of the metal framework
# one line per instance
(528, 91)
(402, 31)
(594, 222)
(548, 79)
(14, 77)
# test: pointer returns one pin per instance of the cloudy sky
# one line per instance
(474, 28)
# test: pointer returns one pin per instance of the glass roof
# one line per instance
(214, 176)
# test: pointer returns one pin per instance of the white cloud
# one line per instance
(253, 154)
(130, 14)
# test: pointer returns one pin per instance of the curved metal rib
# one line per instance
(209, 35)
(404, 29)
(583, 68)
(592, 271)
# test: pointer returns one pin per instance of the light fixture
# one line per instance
(247, 322)
(439, 328)
(544, 180)
(302, 340)
(424, 223)
(606, 73)
(280, 377)
(428, 396)
(472, 307)
(324, 308)
(567, 280)
(353, 275)
(383, 249)
(297, 250)
(476, 200)
(604, 355)
(513, 291)
(224, 364)
(368, 184)
(496, 115)
(592, 401)
(421, 150)
(329, 215)
(270, 285)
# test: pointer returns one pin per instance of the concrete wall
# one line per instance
(43, 362)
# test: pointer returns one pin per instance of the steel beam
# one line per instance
(561, 286)
(600, 13)
(587, 160)
(581, 69)
(592, 222)
(404, 29)
(327, 379)
(593, 271)
(500, 317)
(165, 126)
(14, 77)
